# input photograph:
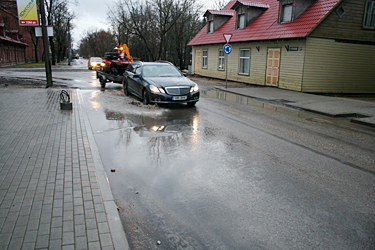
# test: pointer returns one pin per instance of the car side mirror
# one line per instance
(184, 74)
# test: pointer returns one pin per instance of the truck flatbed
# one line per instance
(104, 77)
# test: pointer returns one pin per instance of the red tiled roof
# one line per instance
(266, 26)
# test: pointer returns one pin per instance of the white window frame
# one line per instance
(221, 65)
(242, 69)
(241, 21)
(204, 59)
(211, 27)
(287, 13)
(369, 15)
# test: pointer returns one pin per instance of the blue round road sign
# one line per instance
(227, 49)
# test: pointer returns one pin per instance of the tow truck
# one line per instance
(115, 63)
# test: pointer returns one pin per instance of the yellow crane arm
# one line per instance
(124, 51)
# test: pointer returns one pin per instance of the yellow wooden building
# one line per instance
(316, 46)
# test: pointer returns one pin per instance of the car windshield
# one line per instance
(160, 71)
(96, 59)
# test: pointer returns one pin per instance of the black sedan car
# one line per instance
(159, 82)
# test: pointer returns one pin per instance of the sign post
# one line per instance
(227, 50)
(28, 16)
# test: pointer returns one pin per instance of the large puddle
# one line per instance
(276, 106)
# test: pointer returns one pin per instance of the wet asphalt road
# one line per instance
(224, 175)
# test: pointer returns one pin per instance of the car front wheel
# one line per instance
(125, 87)
(191, 104)
(145, 100)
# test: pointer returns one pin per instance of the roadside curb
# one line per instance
(363, 123)
(115, 226)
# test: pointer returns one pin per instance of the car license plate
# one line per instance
(179, 98)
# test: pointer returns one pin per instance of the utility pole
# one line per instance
(45, 44)
(70, 48)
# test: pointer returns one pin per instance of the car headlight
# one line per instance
(155, 89)
(102, 64)
(195, 88)
(93, 64)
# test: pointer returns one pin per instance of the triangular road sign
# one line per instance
(227, 37)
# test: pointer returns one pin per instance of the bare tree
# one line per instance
(151, 27)
(219, 4)
(138, 20)
(35, 41)
(59, 16)
(118, 18)
(187, 26)
(96, 43)
(62, 27)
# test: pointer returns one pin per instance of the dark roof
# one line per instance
(254, 4)
(266, 26)
(10, 40)
(220, 12)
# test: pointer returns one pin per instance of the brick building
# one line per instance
(16, 42)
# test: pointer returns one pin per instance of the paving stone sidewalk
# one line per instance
(50, 196)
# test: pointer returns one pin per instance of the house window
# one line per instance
(369, 19)
(211, 26)
(287, 13)
(204, 59)
(241, 21)
(244, 61)
(221, 60)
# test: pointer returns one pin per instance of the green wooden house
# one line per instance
(315, 46)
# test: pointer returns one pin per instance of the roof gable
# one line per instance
(266, 26)
(251, 4)
(247, 11)
(220, 12)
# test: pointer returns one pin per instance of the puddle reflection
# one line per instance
(230, 97)
(112, 115)
(169, 133)
(94, 83)
(268, 107)
(92, 99)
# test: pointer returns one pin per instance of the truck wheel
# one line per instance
(114, 71)
(145, 100)
(102, 82)
(125, 87)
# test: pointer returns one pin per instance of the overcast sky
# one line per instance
(91, 15)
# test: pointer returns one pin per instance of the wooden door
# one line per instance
(273, 64)
(197, 61)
